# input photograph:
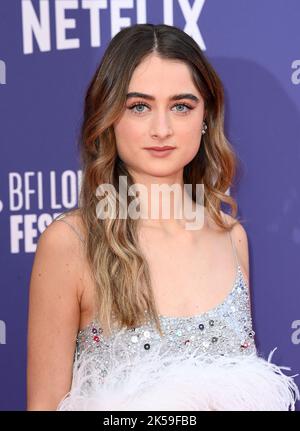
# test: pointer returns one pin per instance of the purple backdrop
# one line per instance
(49, 51)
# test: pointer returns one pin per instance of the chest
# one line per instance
(188, 276)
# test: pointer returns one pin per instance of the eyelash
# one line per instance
(144, 104)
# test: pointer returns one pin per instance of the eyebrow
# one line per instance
(174, 97)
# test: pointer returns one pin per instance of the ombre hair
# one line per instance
(119, 269)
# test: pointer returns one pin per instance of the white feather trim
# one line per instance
(166, 382)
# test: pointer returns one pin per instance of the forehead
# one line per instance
(162, 76)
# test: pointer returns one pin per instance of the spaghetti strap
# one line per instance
(234, 250)
(62, 217)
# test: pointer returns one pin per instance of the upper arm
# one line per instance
(240, 240)
(53, 320)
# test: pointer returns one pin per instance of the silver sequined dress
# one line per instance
(205, 362)
(225, 329)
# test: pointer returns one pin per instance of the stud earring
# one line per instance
(204, 128)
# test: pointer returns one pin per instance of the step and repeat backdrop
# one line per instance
(49, 50)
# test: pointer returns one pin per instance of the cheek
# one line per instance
(190, 143)
(188, 148)
(128, 139)
(188, 153)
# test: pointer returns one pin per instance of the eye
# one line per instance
(136, 105)
(189, 108)
(139, 111)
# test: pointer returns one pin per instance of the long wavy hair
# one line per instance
(120, 270)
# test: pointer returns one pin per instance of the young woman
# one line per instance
(145, 313)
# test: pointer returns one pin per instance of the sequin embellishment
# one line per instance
(225, 329)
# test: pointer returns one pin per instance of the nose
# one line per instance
(161, 126)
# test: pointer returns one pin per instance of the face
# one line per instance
(160, 121)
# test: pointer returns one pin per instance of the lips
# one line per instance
(160, 148)
(160, 152)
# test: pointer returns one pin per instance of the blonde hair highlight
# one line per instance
(120, 271)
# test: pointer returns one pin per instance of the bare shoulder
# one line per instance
(54, 315)
(60, 261)
(73, 220)
(59, 238)
(58, 231)
(67, 238)
(240, 240)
